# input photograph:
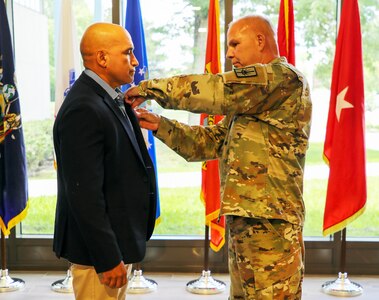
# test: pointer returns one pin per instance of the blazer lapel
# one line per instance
(111, 103)
(116, 110)
(138, 134)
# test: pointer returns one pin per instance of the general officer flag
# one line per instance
(286, 31)
(210, 183)
(344, 147)
(13, 178)
(134, 25)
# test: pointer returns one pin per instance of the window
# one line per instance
(175, 36)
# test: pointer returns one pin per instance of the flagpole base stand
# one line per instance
(63, 285)
(140, 285)
(8, 284)
(206, 285)
(342, 287)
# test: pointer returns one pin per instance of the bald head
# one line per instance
(107, 50)
(251, 40)
(257, 23)
(100, 36)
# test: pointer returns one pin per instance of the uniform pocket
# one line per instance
(278, 271)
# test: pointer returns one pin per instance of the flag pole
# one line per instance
(343, 251)
(67, 68)
(342, 286)
(340, 127)
(138, 284)
(15, 187)
(210, 188)
(206, 284)
(7, 284)
(206, 248)
(64, 285)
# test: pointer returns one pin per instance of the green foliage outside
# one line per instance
(315, 151)
(182, 212)
(41, 215)
(367, 225)
(39, 152)
(39, 146)
(181, 209)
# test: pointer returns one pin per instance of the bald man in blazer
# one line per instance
(106, 182)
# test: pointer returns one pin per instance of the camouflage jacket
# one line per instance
(261, 142)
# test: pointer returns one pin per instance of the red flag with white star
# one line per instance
(344, 147)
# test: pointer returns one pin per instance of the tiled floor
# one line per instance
(173, 286)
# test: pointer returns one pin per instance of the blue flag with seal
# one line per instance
(134, 25)
(13, 176)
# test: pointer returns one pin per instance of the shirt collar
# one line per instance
(111, 92)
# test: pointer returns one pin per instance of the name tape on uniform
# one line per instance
(246, 72)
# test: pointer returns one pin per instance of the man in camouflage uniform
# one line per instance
(261, 145)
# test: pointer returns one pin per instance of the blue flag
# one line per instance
(13, 178)
(134, 25)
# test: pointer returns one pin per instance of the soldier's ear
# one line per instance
(261, 40)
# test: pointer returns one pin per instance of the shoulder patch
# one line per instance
(254, 74)
(246, 72)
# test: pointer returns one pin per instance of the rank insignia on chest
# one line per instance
(246, 72)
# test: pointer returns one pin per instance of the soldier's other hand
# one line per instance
(133, 97)
(147, 119)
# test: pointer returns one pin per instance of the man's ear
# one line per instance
(261, 41)
(102, 58)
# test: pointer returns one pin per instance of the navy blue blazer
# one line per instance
(106, 199)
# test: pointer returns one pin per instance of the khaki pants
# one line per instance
(87, 286)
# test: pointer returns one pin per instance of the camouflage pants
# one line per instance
(265, 259)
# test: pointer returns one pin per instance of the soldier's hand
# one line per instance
(116, 277)
(133, 97)
(147, 119)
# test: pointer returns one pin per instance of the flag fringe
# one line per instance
(220, 229)
(212, 216)
(217, 227)
(14, 221)
(344, 223)
(326, 160)
(202, 196)
(218, 247)
(287, 25)
(158, 221)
